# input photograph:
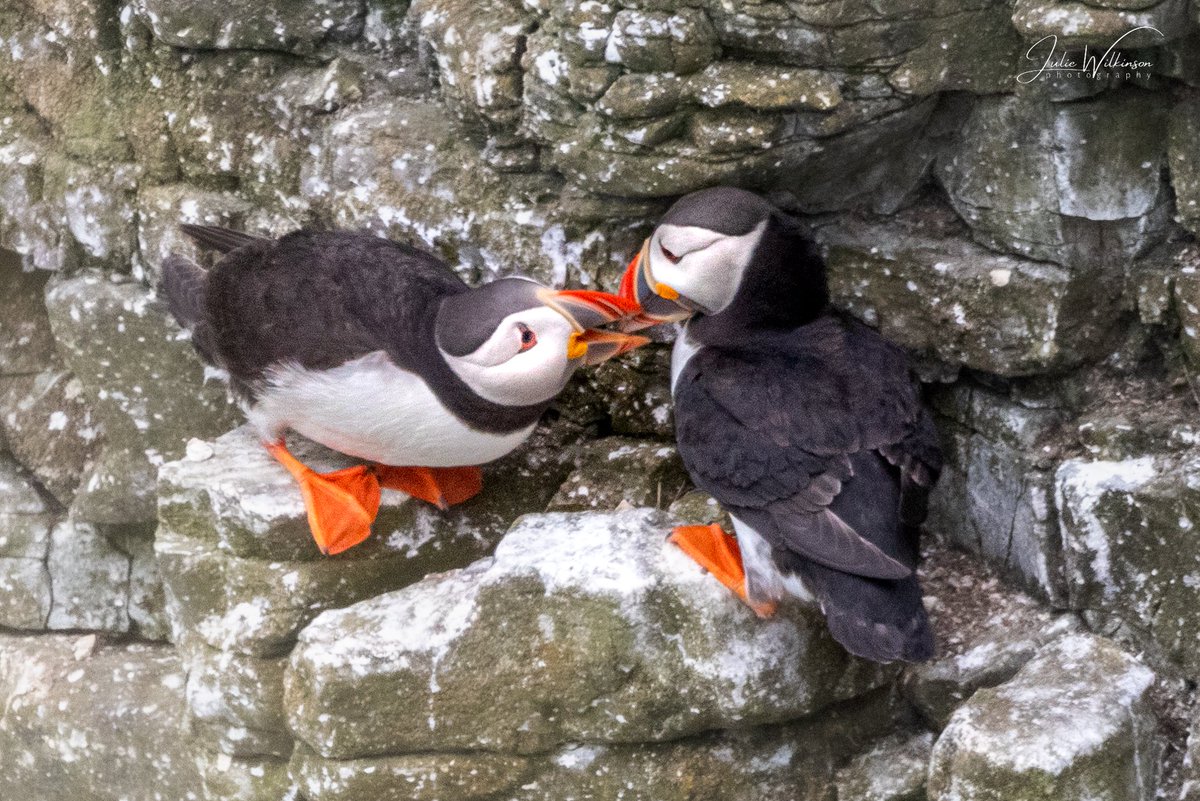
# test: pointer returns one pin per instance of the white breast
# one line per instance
(372, 409)
(685, 348)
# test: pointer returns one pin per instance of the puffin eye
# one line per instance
(528, 338)
(671, 257)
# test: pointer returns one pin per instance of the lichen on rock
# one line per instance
(1075, 723)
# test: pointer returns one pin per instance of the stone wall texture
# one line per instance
(167, 629)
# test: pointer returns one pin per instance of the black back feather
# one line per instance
(816, 438)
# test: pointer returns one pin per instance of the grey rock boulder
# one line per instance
(288, 25)
(616, 470)
(1091, 205)
(1130, 553)
(147, 385)
(51, 429)
(239, 563)
(26, 343)
(78, 711)
(924, 284)
(586, 627)
(1075, 723)
(893, 770)
(763, 763)
(996, 497)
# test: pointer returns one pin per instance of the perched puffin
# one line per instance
(805, 424)
(378, 350)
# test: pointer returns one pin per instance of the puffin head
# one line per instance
(726, 252)
(515, 342)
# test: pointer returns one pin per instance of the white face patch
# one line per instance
(507, 370)
(703, 266)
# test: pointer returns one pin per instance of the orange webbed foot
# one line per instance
(341, 505)
(441, 486)
(718, 553)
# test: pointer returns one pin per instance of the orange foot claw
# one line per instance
(341, 505)
(441, 486)
(718, 553)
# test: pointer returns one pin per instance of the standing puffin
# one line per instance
(377, 350)
(804, 424)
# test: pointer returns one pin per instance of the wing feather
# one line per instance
(769, 432)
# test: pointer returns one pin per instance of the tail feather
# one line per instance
(222, 240)
(876, 619)
(184, 283)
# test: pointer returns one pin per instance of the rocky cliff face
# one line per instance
(170, 632)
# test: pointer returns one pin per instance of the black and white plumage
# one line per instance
(377, 349)
(806, 425)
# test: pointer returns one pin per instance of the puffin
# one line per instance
(806, 425)
(376, 349)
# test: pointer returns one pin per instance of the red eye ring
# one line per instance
(671, 257)
(528, 337)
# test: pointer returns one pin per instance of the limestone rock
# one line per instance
(699, 508)
(845, 35)
(996, 496)
(1186, 297)
(399, 168)
(99, 206)
(630, 396)
(25, 523)
(1183, 144)
(32, 223)
(764, 763)
(240, 566)
(1075, 723)
(50, 428)
(924, 285)
(25, 588)
(89, 579)
(1101, 24)
(592, 629)
(74, 718)
(143, 375)
(976, 50)
(235, 702)
(25, 517)
(1126, 530)
(147, 598)
(1190, 769)
(616, 470)
(224, 136)
(680, 41)
(26, 344)
(893, 770)
(478, 51)
(233, 498)
(296, 27)
(227, 778)
(255, 607)
(940, 687)
(1079, 183)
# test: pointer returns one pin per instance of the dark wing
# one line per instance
(185, 285)
(769, 430)
(222, 240)
(319, 299)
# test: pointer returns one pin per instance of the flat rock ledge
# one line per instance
(242, 578)
(584, 641)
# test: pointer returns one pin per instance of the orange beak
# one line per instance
(588, 311)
